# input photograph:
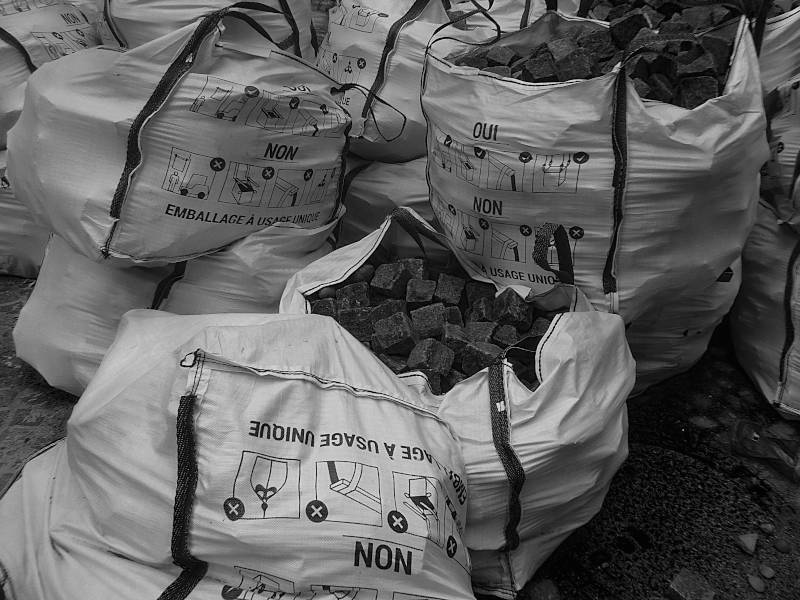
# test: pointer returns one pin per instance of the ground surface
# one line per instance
(681, 500)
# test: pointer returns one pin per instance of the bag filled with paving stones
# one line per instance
(602, 188)
(180, 146)
(536, 395)
(376, 48)
(780, 74)
(70, 319)
(36, 32)
(672, 338)
(131, 23)
(303, 462)
(22, 242)
(373, 190)
(765, 313)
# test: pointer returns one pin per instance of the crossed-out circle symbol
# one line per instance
(452, 546)
(316, 511)
(57, 35)
(268, 172)
(398, 521)
(483, 223)
(451, 208)
(335, 57)
(294, 102)
(576, 232)
(525, 157)
(217, 164)
(361, 63)
(251, 91)
(234, 508)
(525, 230)
(309, 173)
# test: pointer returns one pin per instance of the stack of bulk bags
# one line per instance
(300, 467)
(36, 32)
(764, 319)
(22, 241)
(780, 74)
(372, 190)
(538, 460)
(131, 23)
(375, 49)
(629, 199)
(180, 146)
(71, 317)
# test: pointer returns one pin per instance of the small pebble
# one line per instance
(748, 541)
(781, 545)
(766, 571)
(757, 583)
(767, 528)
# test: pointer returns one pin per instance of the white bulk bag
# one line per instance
(373, 190)
(673, 337)
(534, 184)
(780, 74)
(71, 317)
(303, 458)
(180, 146)
(22, 241)
(131, 23)
(765, 316)
(539, 463)
(34, 33)
(513, 15)
(378, 48)
(562, 442)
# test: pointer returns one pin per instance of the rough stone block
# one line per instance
(641, 88)
(500, 70)
(510, 309)
(419, 291)
(720, 50)
(702, 65)
(431, 355)
(600, 11)
(477, 356)
(453, 315)
(478, 289)
(417, 267)
(625, 28)
(452, 379)
(539, 327)
(356, 321)
(560, 48)
(390, 280)
(578, 64)
(396, 334)
(475, 59)
(355, 295)
(500, 56)
(395, 363)
(434, 381)
(429, 321)
(654, 18)
(386, 309)
(676, 24)
(481, 310)
(694, 91)
(326, 306)
(661, 88)
(598, 43)
(539, 69)
(619, 10)
(504, 336)
(362, 273)
(449, 288)
(480, 331)
(454, 337)
(699, 17)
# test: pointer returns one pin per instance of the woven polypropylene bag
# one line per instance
(302, 458)
(71, 317)
(22, 242)
(597, 187)
(33, 33)
(764, 319)
(131, 23)
(180, 146)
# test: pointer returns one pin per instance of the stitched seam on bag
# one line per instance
(545, 339)
(501, 438)
(788, 321)
(619, 145)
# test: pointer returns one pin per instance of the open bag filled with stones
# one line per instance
(426, 313)
(676, 54)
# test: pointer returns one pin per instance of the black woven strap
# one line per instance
(501, 436)
(193, 569)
